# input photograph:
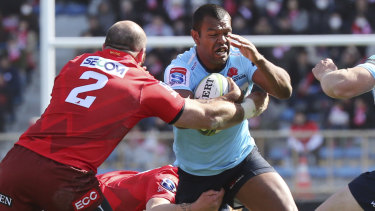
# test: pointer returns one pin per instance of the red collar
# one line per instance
(118, 54)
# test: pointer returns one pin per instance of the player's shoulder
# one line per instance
(371, 59)
(184, 59)
(167, 171)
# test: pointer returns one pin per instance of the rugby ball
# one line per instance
(213, 85)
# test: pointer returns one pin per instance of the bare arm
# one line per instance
(342, 83)
(218, 113)
(273, 79)
(207, 201)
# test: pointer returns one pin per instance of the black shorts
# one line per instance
(363, 190)
(191, 187)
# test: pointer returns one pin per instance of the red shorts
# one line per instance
(29, 181)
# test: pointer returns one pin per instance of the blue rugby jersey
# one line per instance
(203, 155)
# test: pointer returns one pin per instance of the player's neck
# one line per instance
(211, 70)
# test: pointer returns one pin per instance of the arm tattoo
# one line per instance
(185, 206)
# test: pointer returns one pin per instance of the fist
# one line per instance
(323, 67)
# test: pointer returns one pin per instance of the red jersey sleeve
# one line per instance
(158, 99)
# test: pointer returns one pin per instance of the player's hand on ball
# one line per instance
(234, 92)
(261, 100)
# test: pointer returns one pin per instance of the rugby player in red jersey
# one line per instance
(96, 99)
(151, 190)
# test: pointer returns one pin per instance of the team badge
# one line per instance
(232, 72)
(168, 185)
(177, 75)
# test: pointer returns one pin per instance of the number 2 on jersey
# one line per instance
(87, 102)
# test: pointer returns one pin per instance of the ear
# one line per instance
(195, 35)
(140, 56)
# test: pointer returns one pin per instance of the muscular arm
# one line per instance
(208, 201)
(343, 83)
(273, 79)
(347, 83)
(218, 113)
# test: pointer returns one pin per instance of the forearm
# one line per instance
(224, 114)
(209, 114)
(278, 80)
(333, 85)
(172, 207)
(346, 83)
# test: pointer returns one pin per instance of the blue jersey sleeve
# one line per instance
(369, 65)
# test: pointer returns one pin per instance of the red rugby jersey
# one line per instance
(96, 99)
(130, 190)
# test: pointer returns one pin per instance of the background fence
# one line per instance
(343, 155)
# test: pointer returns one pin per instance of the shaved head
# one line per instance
(126, 36)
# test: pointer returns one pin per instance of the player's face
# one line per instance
(212, 43)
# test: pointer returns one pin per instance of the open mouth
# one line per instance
(221, 51)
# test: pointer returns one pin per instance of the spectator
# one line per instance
(11, 77)
(361, 115)
(94, 29)
(296, 16)
(158, 27)
(305, 139)
(105, 15)
(3, 103)
(338, 117)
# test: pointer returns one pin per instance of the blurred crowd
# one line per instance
(19, 44)
(263, 17)
(18, 54)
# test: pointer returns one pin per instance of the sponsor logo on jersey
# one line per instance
(194, 65)
(238, 77)
(232, 72)
(86, 200)
(168, 185)
(6, 200)
(234, 182)
(177, 75)
(106, 65)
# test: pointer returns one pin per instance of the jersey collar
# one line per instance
(204, 66)
(118, 54)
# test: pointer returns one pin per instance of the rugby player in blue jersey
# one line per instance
(229, 158)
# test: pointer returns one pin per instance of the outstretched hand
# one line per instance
(323, 67)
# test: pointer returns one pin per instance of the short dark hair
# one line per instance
(211, 10)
